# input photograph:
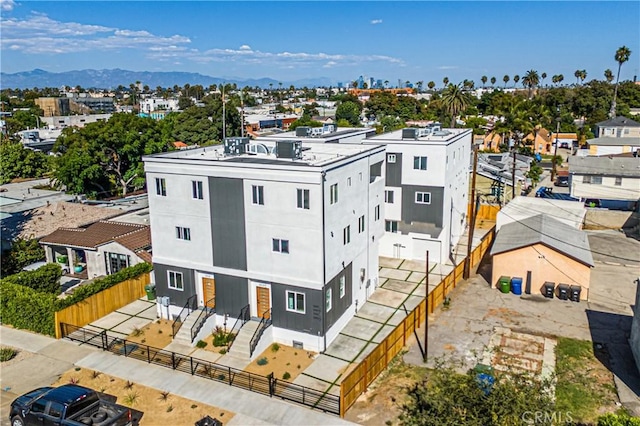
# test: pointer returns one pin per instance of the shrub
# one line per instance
(222, 338)
(169, 408)
(45, 279)
(263, 361)
(137, 331)
(25, 308)
(7, 353)
(222, 351)
(131, 398)
(164, 395)
(286, 376)
(201, 344)
(22, 253)
(275, 347)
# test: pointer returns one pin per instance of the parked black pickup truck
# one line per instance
(70, 405)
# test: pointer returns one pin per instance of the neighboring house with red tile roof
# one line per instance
(102, 248)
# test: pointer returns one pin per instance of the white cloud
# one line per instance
(448, 67)
(245, 47)
(7, 5)
(376, 21)
(330, 64)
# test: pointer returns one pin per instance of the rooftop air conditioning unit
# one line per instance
(236, 146)
(303, 131)
(410, 133)
(289, 149)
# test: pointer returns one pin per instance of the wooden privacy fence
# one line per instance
(103, 303)
(365, 373)
(485, 211)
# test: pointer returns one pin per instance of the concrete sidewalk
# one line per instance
(50, 358)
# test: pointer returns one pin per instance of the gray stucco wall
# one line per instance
(232, 294)
(309, 322)
(339, 304)
(227, 223)
(393, 174)
(427, 213)
(177, 297)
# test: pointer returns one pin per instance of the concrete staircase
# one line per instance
(240, 346)
(184, 334)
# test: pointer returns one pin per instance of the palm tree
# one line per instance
(577, 75)
(455, 100)
(419, 85)
(483, 79)
(493, 81)
(622, 56)
(506, 80)
(608, 75)
(445, 81)
(543, 76)
(386, 84)
(431, 85)
(531, 80)
(560, 78)
(516, 79)
(583, 76)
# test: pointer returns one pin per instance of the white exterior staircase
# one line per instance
(240, 346)
(184, 334)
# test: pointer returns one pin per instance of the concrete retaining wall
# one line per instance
(610, 219)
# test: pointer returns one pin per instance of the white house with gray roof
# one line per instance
(290, 234)
(605, 177)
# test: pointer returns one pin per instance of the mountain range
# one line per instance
(111, 79)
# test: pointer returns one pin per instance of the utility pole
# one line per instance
(513, 175)
(224, 130)
(467, 261)
(241, 115)
(426, 307)
(555, 149)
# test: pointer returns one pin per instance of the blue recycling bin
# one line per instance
(516, 285)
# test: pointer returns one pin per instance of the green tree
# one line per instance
(506, 80)
(455, 101)
(608, 75)
(348, 111)
(493, 81)
(431, 85)
(483, 79)
(531, 80)
(16, 161)
(445, 81)
(516, 79)
(543, 76)
(23, 252)
(622, 56)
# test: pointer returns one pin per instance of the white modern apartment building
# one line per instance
(426, 186)
(295, 233)
(151, 104)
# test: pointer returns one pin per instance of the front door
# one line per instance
(263, 302)
(209, 292)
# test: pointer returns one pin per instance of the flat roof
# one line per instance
(313, 154)
(445, 135)
(340, 132)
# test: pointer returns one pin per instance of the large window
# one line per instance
(594, 180)
(388, 196)
(280, 246)
(423, 198)
(361, 224)
(116, 262)
(196, 187)
(303, 199)
(334, 193)
(175, 280)
(295, 302)
(327, 300)
(257, 194)
(420, 163)
(346, 235)
(161, 187)
(391, 226)
(342, 284)
(183, 233)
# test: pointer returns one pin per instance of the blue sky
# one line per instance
(339, 40)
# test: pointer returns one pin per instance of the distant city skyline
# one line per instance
(288, 41)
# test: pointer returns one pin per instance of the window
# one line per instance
(175, 280)
(55, 409)
(342, 281)
(361, 224)
(196, 187)
(183, 233)
(376, 212)
(303, 199)
(348, 181)
(391, 226)
(116, 262)
(334, 193)
(420, 163)
(258, 194)
(346, 235)
(327, 299)
(618, 181)
(38, 406)
(295, 302)
(391, 158)
(280, 246)
(388, 197)
(423, 198)
(594, 180)
(161, 187)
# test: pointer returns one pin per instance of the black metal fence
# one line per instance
(266, 385)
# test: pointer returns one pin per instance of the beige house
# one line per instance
(550, 250)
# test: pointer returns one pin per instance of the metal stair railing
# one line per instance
(206, 312)
(265, 322)
(242, 319)
(188, 307)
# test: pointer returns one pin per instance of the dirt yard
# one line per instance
(159, 408)
(280, 361)
(156, 334)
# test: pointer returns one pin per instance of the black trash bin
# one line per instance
(548, 289)
(563, 291)
(574, 291)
